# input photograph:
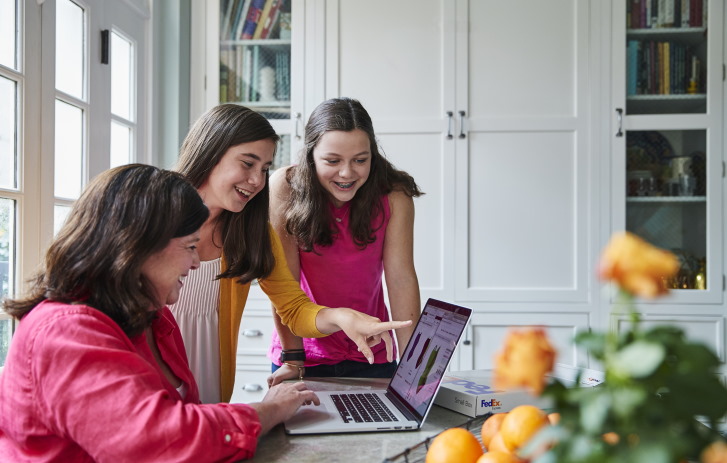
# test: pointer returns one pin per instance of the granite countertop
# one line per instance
(276, 446)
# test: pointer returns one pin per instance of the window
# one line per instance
(11, 79)
(122, 101)
(64, 117)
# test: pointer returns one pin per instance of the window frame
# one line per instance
(35, 119)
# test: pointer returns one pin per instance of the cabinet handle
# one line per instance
(252, 333)
(619, 119)
(252, 387)
(461, 124)
(298, 119)
(449, 125)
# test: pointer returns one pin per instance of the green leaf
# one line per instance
(637, 360)
(594, 411)
(651, 453)
(627, 399)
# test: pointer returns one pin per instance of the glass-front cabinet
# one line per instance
(253, 61)
(667, 88)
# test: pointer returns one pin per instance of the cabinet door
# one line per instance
(397, 58)
(252, 56)
(524, 175)
(667, 141)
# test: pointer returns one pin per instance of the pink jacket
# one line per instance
(76, 388)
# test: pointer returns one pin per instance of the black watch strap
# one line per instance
(292, 355)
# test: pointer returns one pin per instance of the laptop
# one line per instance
(406, 401)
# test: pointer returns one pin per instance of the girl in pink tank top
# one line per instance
(345, 216)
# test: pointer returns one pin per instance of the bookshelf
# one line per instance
(250, 52)
(254, 55)
(668, 97)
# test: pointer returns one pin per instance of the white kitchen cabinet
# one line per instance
(491, 106)
(667, 140)
(506, 115)
(265, 73)
(253, 366)
(494, 124)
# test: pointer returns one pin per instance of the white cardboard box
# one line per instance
(471, 392)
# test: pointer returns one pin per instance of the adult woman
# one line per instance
(97, 370)
(226, 156)
(345, 215)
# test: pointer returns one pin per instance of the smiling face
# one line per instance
(166, 269)
(343, 163)
(239, 176)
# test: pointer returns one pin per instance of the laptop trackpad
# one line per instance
(309, 415)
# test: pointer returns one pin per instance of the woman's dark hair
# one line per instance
(246, 241)
(124, 215)
(307, 216)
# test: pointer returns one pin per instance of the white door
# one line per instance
(400, 65)
(524, 198)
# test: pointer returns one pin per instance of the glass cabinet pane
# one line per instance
(666, 201)
(255, 38)
(666, 57)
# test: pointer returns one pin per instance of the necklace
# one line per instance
(340, 213)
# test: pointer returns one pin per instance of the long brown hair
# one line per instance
(307, 216)
(246, 243)
(124, 216)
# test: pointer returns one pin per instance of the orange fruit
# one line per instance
(520, 424)
(554, 418)
(498, 457)
(611, 438)
(455, 445)
(490, 428)
(497, 444)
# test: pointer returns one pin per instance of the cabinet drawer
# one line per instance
(250, 383)
(255, 334)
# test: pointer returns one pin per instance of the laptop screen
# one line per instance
(427, 355)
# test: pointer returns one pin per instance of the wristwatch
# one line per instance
(292, 355)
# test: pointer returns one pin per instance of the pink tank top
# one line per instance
(343, 275)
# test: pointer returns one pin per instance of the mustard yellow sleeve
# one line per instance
(292, 305)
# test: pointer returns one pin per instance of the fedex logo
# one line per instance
(491, 403)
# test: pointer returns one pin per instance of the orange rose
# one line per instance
(716, 452)
(636, 266)
(525, 360)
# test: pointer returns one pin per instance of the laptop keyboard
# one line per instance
(362, 408)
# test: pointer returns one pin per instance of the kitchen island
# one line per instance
(372, 447)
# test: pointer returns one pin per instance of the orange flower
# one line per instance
(716, 452)
(525, 360)
(636, 266)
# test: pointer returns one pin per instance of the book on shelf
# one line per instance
(247, 74)
(264, 14)
(660, 68)
(224, 75)
(235, 21)
(685, 13)
(226, 19)
(271, 19)
(646, 14)
(632, 57)
(241, 15)
(252, 18)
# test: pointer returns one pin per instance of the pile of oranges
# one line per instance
(503, 434)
